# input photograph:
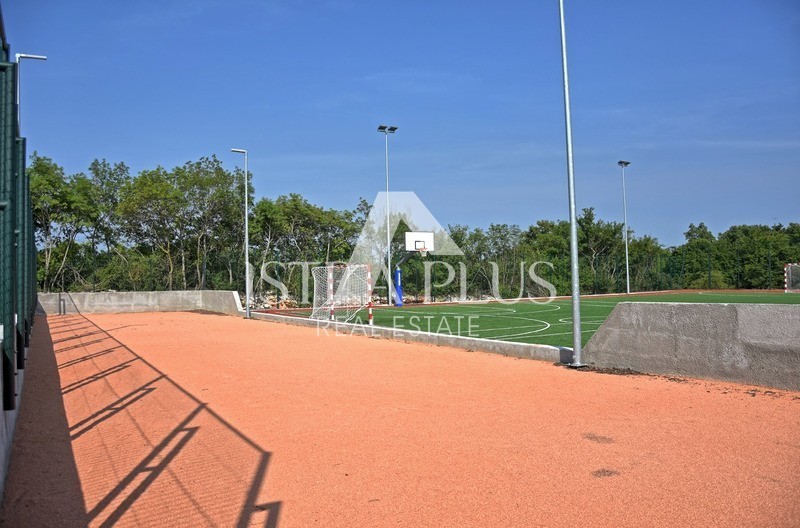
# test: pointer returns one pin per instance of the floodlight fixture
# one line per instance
(29, 56)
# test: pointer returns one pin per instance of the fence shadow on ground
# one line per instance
(43, 482)
(140, 449)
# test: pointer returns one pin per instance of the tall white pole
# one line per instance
(573, 222)
(246, 238)
(388, 230)
(625, 212)
(246, 234)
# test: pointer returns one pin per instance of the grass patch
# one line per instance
(548, 324)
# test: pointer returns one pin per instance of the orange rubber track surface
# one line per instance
(188, 419)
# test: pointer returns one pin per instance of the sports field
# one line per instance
(189, 419)
(547, 324)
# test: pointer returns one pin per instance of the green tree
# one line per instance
(63, 208)
(107, 180)
(150, 211)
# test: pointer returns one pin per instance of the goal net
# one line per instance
(791, 278)
(340, 292)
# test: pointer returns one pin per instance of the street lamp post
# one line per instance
(246, 236)
(26, 182)
(20, 56)
(573, 220)
(386, 130)
(623, 164)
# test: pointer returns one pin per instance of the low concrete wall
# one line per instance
(163, 301)
(220, 301)
(520, 350)
(755, 344)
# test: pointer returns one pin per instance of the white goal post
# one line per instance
(341, 291)
(791, 278)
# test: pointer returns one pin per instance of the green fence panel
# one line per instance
(7, 227)
(21, 250)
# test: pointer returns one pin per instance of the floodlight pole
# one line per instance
(18, 57)
(246, 235)
(573, 221)
(386, 129)
(623, 164)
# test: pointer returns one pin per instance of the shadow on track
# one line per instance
(133, 446)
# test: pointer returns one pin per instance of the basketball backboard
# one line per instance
(419, 241)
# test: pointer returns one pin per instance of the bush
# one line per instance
(700, 282)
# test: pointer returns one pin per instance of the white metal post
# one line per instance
(388, 230)
(624, 164)
(246, 238)
(18, 57)
(386, 130)
(246, 234)
(573, 222)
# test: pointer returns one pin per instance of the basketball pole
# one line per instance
(573, 221)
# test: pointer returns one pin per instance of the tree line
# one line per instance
(182, 228)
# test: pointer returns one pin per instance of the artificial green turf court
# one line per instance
(548, 324)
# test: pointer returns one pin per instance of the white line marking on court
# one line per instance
(601, 303)
(584, 320)
(545, 327)
(539, 335)
(566, 321)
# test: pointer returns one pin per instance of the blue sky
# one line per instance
(703, 97)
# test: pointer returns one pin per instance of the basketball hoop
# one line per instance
(419, 241)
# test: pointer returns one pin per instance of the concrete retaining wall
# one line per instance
(219, 301)
(520, 350)
(117, 302)
(755, 344)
